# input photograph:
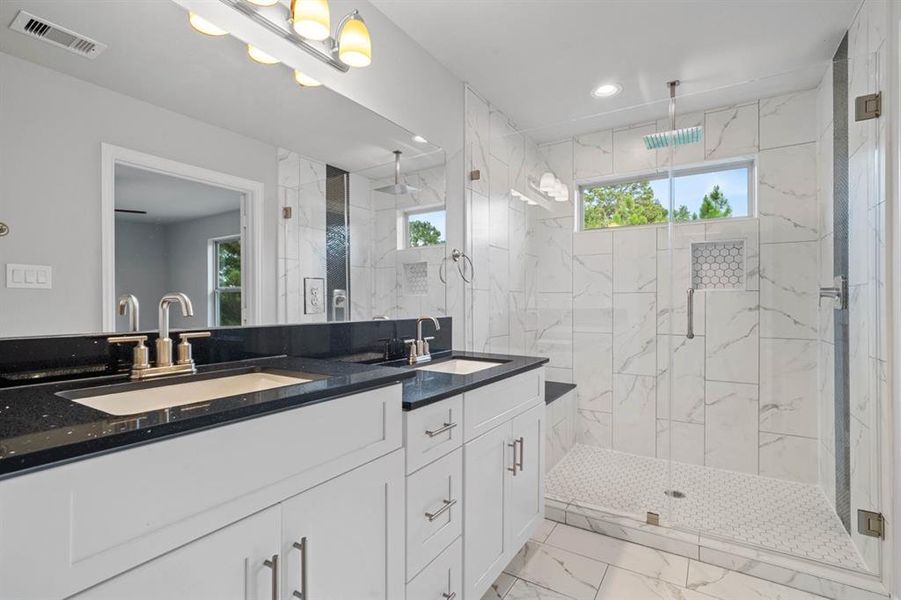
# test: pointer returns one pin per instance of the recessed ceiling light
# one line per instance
(606, 90)
(420, 140)
(260, 56)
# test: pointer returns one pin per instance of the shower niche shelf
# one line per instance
(718, 265)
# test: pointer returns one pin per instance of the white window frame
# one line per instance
(421, 210)
(213, 289)
(696, 169)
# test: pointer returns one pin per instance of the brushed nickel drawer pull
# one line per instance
(446, 427)
(522, 451)
(446, 507)
(273, 564)
(449, 595)
(302, 546)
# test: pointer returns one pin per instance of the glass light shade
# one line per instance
(260, 56)
(557, 192)
(354, 44)
(547, 182)
(204, 26)
(311, 19)
(306, 80)
(264, 2)
(563, 196)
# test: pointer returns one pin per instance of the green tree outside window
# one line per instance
(423, 233)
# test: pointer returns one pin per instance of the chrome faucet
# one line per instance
(419, 348)
(128, 303)
(141, 368)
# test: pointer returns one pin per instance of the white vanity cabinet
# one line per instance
(192, 513)
(503, 479)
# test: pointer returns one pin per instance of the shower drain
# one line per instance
(674, 493)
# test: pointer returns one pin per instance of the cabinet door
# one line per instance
(485, 493)
(225, 565)
(344, 539)
(527, 485)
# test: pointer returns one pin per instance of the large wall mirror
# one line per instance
(172, 161)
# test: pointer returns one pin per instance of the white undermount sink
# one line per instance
(460, 366)
(179, 394)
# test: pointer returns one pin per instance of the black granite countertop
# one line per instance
(428, 386)
(40, 428)
(554, 390)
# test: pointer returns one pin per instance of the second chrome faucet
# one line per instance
(184, 363)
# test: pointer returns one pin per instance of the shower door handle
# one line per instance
(690, 315)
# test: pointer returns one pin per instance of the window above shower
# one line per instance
(721, 191)
(424, 227)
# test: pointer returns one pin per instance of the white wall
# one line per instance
(51, 128)
(141, 267)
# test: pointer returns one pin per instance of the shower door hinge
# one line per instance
(475, 175)
(870, 523)
(287, 212)
(868, 107)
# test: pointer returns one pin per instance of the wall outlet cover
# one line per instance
(313, 295)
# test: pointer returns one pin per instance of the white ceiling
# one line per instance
(539, 60)
(169, 199)
(155, 56)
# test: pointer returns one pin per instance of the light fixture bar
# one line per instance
(252, 13)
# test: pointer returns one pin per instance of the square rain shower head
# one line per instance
(678, 137)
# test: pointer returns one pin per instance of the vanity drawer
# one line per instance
(487, 407)
(442, 578)
(432, 431)
(434, 509)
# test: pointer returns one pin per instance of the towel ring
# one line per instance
(461, 259)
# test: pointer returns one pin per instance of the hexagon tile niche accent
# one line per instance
(718, 265)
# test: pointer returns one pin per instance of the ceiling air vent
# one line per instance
(54, 34)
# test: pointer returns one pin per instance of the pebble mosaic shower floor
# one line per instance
(784, 516)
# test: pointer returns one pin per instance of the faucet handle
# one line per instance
(184, 345)
(140, 353)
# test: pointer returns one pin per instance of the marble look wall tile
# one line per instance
(384, 243)
(480, 320)
(593, 155)
(480, 239)
(684, 235)
(824, 101)
(634, 414)
(550, 567)
(788, 386)
(559, 158)
(788, 119)
(788, 457)
(555, 257)
(384, 297)
(499, 344)
(593, 242)
(634, 334)
(640, 559)
(686, 154)
(311, 171)
(825, 182)
(788, 194)
(731, 131)
(732, 337)
(502, 136)
(682, 397)
(516, 222)
(629, 151)
(288, 168)
(635, 249)
(788, 290)
(554, 337)
(499, 306)
(477, 140)
(498, 204)
(361, 232)
(681, 442)
(361, 293)
(594, 428)
(673, 282)
(864, 485)
(593, 370)
(746, 230)
(731, 426)
(593, 293)
(560, 374)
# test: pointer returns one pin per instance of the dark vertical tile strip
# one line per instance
(337, 242)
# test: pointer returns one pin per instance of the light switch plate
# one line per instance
(39, 277)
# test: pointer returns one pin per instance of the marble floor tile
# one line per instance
(547, 526)
(500, 587)
(550, 567)
(731, 585)
(620, 584)
(641, 559)
(523, 590)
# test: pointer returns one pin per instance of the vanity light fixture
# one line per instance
(547, 183)
(311, 19)
(606, 90)
(264, 2)
(354, 43)
(305, 80)
(204, 26)
(260, 56)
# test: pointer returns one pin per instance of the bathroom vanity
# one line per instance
(358, 482)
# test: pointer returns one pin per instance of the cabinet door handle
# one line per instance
(302, 545)
(516, 463)
(449, 595)
(442, 429)
(444, 508)
(522, 451)
(272, 563)
(690, 314)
